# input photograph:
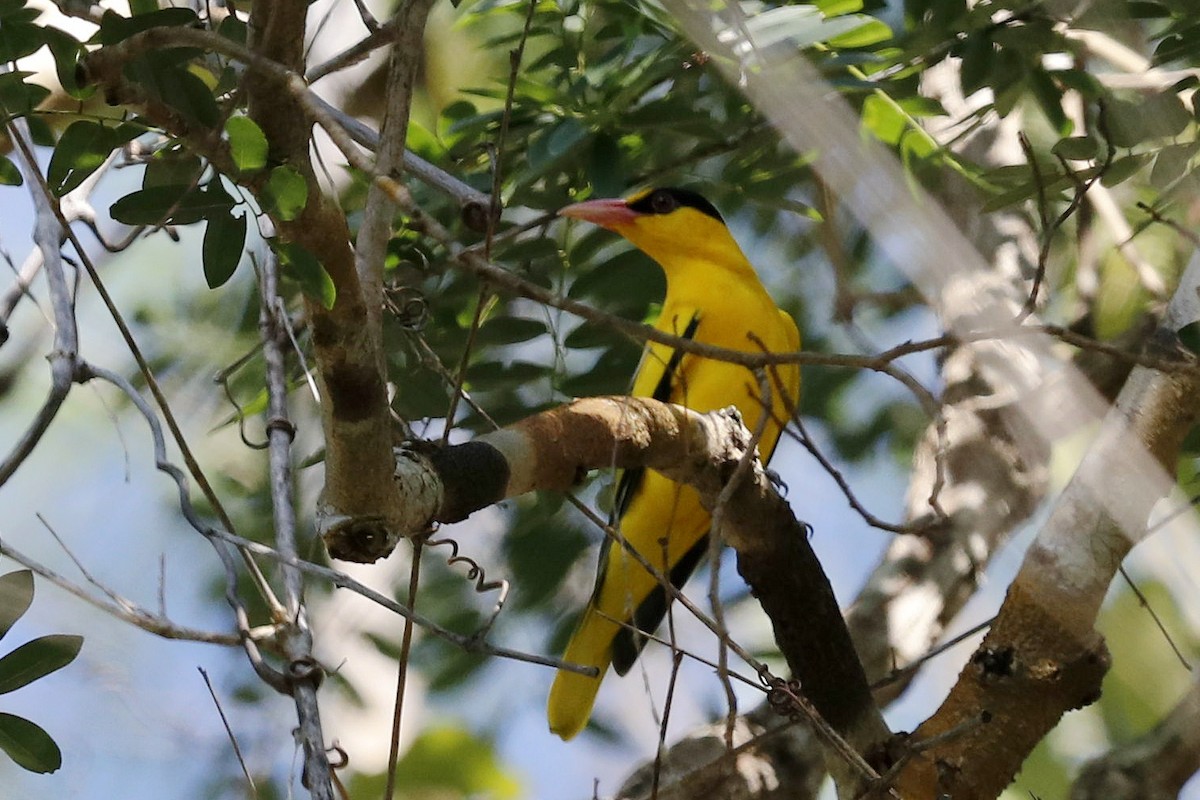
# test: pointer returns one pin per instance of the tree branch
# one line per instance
(1042, 656)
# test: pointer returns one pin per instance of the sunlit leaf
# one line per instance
(285, 193)
(303, 267)
(247, 143)
(82, 149)
(422, 772)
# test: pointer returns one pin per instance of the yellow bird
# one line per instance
(713, 296)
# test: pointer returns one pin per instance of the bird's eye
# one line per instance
(663, 203)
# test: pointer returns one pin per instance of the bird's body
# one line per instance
(713, 296)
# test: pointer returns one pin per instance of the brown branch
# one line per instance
(551, 449)
(1042, 656)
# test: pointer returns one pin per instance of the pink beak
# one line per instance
(609, 214)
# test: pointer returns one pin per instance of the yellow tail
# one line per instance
(572, 695)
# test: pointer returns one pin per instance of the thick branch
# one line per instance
(551, 450)
(1042, 656)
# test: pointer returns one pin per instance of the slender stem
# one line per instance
(414, 580)
(295, 635)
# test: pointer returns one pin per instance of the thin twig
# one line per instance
(676, 660)
(237, 750)
(304, 675)
(130, 612)
(402, 667)
(1145, 603)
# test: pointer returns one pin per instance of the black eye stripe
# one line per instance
(667, 199)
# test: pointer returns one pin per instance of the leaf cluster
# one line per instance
(24, 741)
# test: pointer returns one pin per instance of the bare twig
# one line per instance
(128, 611)
(304, 675)
(237, 749)
(402, 667)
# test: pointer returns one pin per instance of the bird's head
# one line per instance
(672, 226)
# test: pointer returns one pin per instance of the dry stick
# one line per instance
(271, 677)
(676, 660)
(802, 436)
(237, 750)
(402, 665)
(64, 230)
(340, 580)
(907, 669)
(74, 206)
(296, 638)
(64, 357)
(1145, 603)
(128, 611)
(1050, 228)
(1155, 215)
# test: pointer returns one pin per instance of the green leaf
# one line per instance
(605, 167)
(1077, 148)
(563, 137)
(19, 39)
(868, 32)
(172, 205)
(835, 8)
(247, 143)
(588, 335)
(489, 374)
(114, 27)
(883, 119)
(66, 50)
(1172, 164)
(28, 745)
(224, 240)
(525, 250)
(233, 29)
(37, 659)
(166, 77)
(1049, 98)
(137, 7)
(1131, 122)
(285, 193)
(9, 174)
(17, 96)
(304, 268)
(610, 374)
(81, 150)
(1123, 169)
(509, 330)
(16, 595)
(172, 167)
